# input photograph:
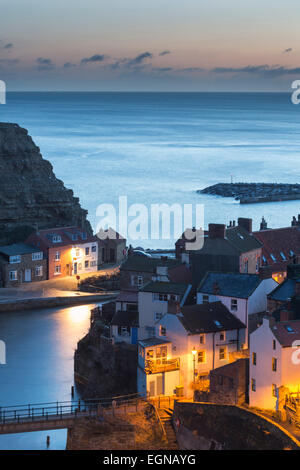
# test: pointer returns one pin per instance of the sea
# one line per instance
(160, 148)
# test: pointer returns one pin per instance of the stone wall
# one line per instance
(203, 426)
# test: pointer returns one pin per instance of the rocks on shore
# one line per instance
(254, 192)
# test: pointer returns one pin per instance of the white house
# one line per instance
(124, 325)
(158, 369)
(242, 294)
(274, 361)
(153, 303)
(84, 257)
(200, 338)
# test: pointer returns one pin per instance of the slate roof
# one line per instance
(127, 296)
(241, 239)
(208, 318)
(125, 318)
(229, 284)
(277, 241)
(153, 342)
(164, 287)
(69, 236)
(284, 291)
(143, 264)
(285, 337)
(18, 249)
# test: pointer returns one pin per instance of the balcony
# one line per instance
(162, 365)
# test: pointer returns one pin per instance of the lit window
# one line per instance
(57, 256)
(234, 305)
(274, 390)
(254, 358)
(57, 269)
(77, 252)
(201, 356)
(274, 364)
(253, 385)
(13, 275)
(222, 354)
(137, 280)
(163, 330)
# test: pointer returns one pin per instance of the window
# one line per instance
(15, 259)
(222, 354)
(234, 305)
(39, 270)
(77, 252)
(157, 316)
(136, 280)
(283, 256)
(56, 239)
(163, 330)
(264, 260)
(273, 257)
(253, 385)
(150, 354)
(86, 264)
(289, 329)
(254, 357)
(217, 323)
(94, 248)
(257, 264)
(57, 269)
(201, 356)
(57, 256)
(205, 299)
(274, 344)
(222, 336)
(274, 390)
(13, 275)
(37, 256)
(93, 263)
(87, 251)
(123, 330)
(161, 351)
(74, 236)
(202, 339)
(84, 236)
(274, 364)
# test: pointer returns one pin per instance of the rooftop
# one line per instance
(279, 244)
(18, 249)
(165, 287)
(144, 264)
(287, 332)
(146, 343)
(229, 284)
(125, 318)
(66, 235)
(208, 318)
(284, 291)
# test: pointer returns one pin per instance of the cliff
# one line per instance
(30, 194)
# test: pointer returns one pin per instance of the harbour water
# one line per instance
(39, 366)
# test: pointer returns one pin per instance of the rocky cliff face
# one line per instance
(30, 194)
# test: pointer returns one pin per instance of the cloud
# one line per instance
(191, 69)
(263, 70)
(139, 59)
(68, 65)
(9, 61)
(165, 52)
(289, 49)
(45, 64)
(94, 58)
(163, 69)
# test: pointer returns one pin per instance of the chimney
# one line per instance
(245, 223)
(265, 272)
(294, 222)
(263, 224)
(230, 224)
(216, 230)
(233, 223)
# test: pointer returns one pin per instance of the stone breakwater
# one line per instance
(248, 193)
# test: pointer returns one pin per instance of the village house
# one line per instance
(113, 247)
(229, 384)
(231, 249)
(125, 322)
(243, 294)
(274, 362)
(21, 263)
(200, 338)
(155, 298)
(286, 291)
(280, 247)
(136, 271)
(69, 251)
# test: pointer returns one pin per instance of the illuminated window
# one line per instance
(77, 252)
(274, 390)
(163, 330)
(57, 269)
(39, 270)
(57, 256)
(13, 275)
(222, 354)
(201, 356)
(253, 385)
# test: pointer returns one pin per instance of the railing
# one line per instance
(65, 409)
(165, 365)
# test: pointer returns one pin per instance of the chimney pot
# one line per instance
(245, 223)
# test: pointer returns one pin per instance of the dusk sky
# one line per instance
(191, 45)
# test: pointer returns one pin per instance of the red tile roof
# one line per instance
(66, 234)
(278, 242)
(285, 337)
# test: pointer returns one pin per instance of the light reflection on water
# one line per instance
(40, 347)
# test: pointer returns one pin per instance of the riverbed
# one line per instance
(40, 346)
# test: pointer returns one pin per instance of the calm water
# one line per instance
(40, 349)
(161, 147)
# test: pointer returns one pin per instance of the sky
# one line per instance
(157, 45)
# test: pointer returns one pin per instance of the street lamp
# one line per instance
(194, 352)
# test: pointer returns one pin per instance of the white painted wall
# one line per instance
(92, 258)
